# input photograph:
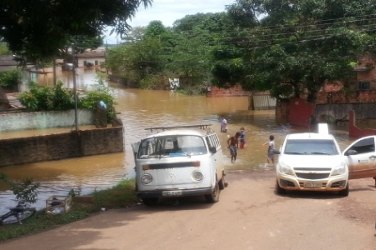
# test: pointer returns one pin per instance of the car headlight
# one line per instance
(339, 170)
(197, 175)
(146, 178)
(285, 169)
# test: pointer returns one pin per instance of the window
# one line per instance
(311, 147)
(171, 146)
(363, 85)
(364, 146)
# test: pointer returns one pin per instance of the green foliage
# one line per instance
(40, 222)
(156, 52)
(10, 79)
(298, 43)
(44, 98)
(57, 98)
(120, 196)
(38, 29)
(91, 99)
(151, 82)
(62, 98)
(4, 49)
(26, 191)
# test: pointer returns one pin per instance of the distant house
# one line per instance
(7, 63)
(361, 90)
(92, 59)
(336, 99)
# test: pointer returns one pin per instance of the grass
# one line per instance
(120, 196)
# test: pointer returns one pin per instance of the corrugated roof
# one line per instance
(7, 61)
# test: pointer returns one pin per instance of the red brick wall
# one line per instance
(354, 131)
(300, 112)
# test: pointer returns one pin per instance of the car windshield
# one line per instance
(310, 147)
(172, 146)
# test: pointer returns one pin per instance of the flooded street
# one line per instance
(140, 109)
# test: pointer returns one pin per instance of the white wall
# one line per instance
(42, 120)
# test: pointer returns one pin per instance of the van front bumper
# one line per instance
(170, 193)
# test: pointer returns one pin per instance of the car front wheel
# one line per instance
(214, 196)
(278, 189)
(344, 192)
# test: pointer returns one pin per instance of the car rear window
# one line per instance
(310, 147)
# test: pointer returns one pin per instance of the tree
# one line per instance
(297, 45)
(4, 49)
(38, 29)
(184, 51)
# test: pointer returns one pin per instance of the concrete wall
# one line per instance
(40, 120)
(340, 112)
(61, 146)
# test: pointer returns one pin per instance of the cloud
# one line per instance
(168, 11)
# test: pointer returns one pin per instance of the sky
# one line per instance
(168, 11)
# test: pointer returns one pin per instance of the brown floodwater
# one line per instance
(140, 109)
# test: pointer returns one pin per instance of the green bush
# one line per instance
(42, 98)
(10, 79)
(93, 97)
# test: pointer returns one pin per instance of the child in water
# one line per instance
(271, 149)
(242, 138)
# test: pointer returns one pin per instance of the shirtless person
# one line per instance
(232, 144)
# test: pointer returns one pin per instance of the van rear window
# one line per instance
(172, 146)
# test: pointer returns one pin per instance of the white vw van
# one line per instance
(179, 161)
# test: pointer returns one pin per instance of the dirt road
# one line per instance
(249, 215)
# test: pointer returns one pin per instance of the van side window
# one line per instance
(209, 141)
(213, 141)
(216, 139)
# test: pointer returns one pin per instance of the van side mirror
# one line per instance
(351, 152)
(213, 150)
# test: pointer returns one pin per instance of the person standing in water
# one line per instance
(242, 138)
(232, 144)
(224, 125)
(271, 149)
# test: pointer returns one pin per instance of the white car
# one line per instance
(179, 161)
(313, 162)
(361, 158)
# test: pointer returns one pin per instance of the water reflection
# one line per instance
(139, 109)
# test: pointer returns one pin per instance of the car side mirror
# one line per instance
(213, 150)
(351, 152)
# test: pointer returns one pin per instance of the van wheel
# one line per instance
(214, 196)
(221, 183)
(344, 192)
(279, 190)
(150, 201)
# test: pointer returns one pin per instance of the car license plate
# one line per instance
(312, 185)
(172, 193)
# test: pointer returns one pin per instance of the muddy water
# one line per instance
(140, 109)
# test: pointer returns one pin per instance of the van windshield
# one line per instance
(311, 147)
(172, 146)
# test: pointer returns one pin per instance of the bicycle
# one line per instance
(17, 214)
